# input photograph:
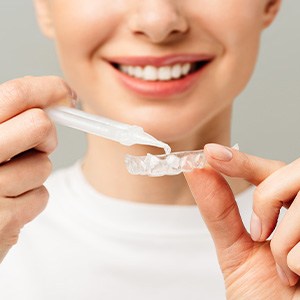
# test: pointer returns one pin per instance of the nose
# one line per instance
(159, 21)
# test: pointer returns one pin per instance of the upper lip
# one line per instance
(159, 61)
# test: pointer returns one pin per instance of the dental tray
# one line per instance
(165, 164)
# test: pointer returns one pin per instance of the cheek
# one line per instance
(81, 27)
(237, 27)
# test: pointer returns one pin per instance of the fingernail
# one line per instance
(255, 227)
(219, 152)
(282, 275)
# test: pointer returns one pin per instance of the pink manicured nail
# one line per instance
(219, 152)
(255, 227)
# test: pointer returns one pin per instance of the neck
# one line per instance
(104, 167)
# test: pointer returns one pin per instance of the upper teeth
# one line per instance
(153, 73)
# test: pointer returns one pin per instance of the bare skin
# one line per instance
(157, 28)
(187, 121)
(27, 138)
(251, 264)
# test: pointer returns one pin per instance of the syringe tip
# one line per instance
(147, 139)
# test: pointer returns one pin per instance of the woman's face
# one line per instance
(187, 59)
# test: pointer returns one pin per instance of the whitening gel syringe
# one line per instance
(120, 132)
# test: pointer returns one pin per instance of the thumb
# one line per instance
(219, 210)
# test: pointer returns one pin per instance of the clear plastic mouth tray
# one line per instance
(165, 164)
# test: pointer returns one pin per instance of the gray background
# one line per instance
(266, 117)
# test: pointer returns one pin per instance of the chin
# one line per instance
(168, 130)
(172, 124)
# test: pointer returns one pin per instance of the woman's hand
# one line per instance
(27, 137)
(251, 265)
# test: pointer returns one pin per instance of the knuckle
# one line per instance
(13, 90)
(38, 198)
(45, 166)
(48, 165)
(54, 142)
(42, 196)
(57, 79)
(59, 82)
(42, 193)
(221, 217)
(39, 123)
(41, 169)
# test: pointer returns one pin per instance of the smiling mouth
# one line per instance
(163, 73)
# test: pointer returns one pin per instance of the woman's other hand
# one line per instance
(250, 264)
(27, 137)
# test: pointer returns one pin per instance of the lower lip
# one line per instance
(159, 89)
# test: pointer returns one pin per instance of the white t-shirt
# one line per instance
(88, 246)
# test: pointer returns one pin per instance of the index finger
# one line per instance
(276, 183)
(240, 165)
(28, 92)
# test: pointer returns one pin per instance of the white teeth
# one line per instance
(164, 73)
(152, 73)
(138, 72)
(131, 70)
(176, 71)
(186, 68)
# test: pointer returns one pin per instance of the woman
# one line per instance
(173, 68)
